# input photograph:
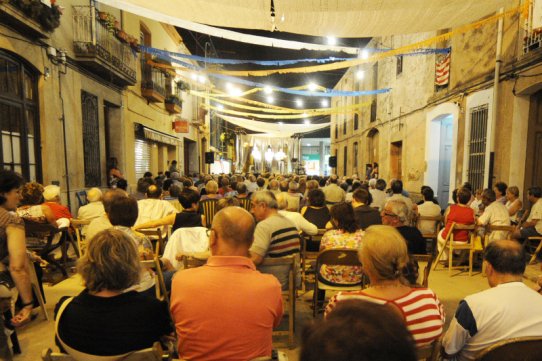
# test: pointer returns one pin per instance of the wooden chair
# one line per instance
(81, 197)
(36, 287)
(333, 257)
(160, 285)
(519, 348)
(289, 294)
(308, 255)
(192, 260)
(208, 209)
(428, 259)
(46, 232)
(430, 352)
(472, 246)
(155, 236)
(529, 244)
(154, 353)
(244, 203)
(433, 236)
(78, 225)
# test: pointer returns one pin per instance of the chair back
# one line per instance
(160, 285)
(437, 224)
(154, 353)
(155, 236)
(244, 203)
(82, 198)
(519, 348)
(189, 241)
(461, 227)
(337, 257)
(208, 209)
(78, 225)
(430, 352)
(192, 260)
(428, 258)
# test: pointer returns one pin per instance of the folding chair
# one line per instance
(208, 209)
(192, 260)
(519, 348)
(290, 294)
(36, 287)
(78, 225)
(48, 232)
(528, 245)
(160, 285)
(428, 259)
(473, 245)
(154, 353)
(430, 352)
(334, 257)
(155, 236)
(433, 236)
(309, 255)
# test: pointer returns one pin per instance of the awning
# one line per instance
(158, 136)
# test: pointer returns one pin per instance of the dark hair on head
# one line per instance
(174, 191)
(454, 195)
(381, 184)
(226, 202)
(375, 165)
(333, 179)
(506, 257)
(188, 197)
(349, 181)
(535, 192)
(32, 194)
(167, 184)
(224, 182)
(428, 193)
(187, 182)
(143, 184)
(344, 186)
(489, 194)
(147, 175)
(283, 186)
(356, 185)
(359, 330)
(111, 262)
(362, 195)
(322, 182)
(463, 195)
(122, 184)
(260, 182)
(317, 198)
(154, 191)
(9, 180)
(123, 211)
(468, 186)
(343, 214)
(397, 186)
(241, 188)
(167, 173)
(501, 187)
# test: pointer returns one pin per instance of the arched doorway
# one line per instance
(19, 115)
(440, 150)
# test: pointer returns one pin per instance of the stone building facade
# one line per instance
(73, 98)
(443, 136)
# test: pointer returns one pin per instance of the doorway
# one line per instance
(444, 159)
(396, 160)
(533, 165)
(190, 157)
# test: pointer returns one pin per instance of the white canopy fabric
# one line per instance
(272, 129)
(339, 18)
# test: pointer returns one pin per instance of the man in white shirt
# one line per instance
(495, 214)
(507, 310)
(334, 193)
(153, 207)
(533, 226)
(378, 193)
(428, 209)
(299, 221)
(93, 209)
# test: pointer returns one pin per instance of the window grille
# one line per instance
(91, 140)
(477, 146)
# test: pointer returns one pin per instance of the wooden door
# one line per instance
(533, 164)
(396, 160)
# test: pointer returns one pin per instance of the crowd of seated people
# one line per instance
(280, 208)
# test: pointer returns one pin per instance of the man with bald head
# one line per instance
(507, 310)
(153, 207)
(226, 310)
(102, 222)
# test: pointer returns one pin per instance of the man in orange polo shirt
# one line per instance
(226, 310)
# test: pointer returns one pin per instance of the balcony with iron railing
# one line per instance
(99, 48)
(153, 83)
(30, 18)
(532, 30)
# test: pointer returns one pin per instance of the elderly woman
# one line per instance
(104, 320)
(13, 252)
(31, 206)
(513, 203)
(316, 211)
(383, 255)
(211, 189)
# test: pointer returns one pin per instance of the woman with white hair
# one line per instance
(383, 255)
(94, 208)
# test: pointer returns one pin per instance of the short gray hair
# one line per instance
(293, 186)
(400, 209)
(94, 195)
(266, 197)
(282, 201)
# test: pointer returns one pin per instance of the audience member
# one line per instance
(359, 330)
(428, 209)
(261, 184)
(297, 219)
(154, 207)
(378, 194)
(51, 195)
(106, 319)
(173, 197)
(224, 186)
(293, 197)
(513, 204)
(476, 204)
(316, 211)
(227, 202)
(226, 310)
(334, 193)
(507, 310)
(94, 208)
(397, 194)
(102, 222)
(533, 226)
(252, 186)
(395, 214)
(31, 206)
(274, 186)
(459, 213)
(500, 192)
(275, 235)
(364, 214)
(383, 255)
(211, 189)
(142, 185)
(495, 214)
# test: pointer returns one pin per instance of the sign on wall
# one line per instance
(180, 126)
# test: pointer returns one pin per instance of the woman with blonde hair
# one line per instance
(105, 319)
(513, 203)
(383, 255)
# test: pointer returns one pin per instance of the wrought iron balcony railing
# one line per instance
(532, 37)
(98, 48)
(153, 83)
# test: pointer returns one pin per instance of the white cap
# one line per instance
(50, 192)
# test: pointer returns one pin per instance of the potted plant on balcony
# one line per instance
(173, 104)
(182, 86)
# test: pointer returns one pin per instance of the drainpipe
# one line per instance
(493, 126)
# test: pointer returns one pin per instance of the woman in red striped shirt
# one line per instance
(383, 256)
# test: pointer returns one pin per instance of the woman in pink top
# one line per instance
(383, 255)
(459, 213)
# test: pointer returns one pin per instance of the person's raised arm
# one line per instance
(168, 220)
(18, 268)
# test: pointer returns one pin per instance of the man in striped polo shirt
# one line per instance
(275, 235)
